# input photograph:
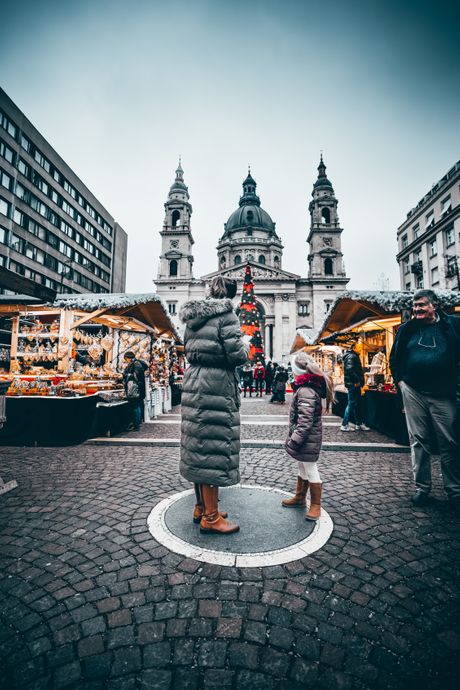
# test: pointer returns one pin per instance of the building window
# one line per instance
(429, 220)
(4, 207)
(419, 281)
(261, 259)
(6, 152)
(406, 266)
(250, 216)
(407, 286)
(303, 308)
(173, 268)
(404, 241)
(325, 216)
(276, 261)
(434, 276)
(172, 308)
(175, 218)
(3, 236)
(237, 259)
(446, 206)
(450, 237)
(433, 248)
(5, 180)
(25, 143)
(327, 306)
(328, 267)
(416, 230)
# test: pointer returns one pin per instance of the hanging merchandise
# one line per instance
(249, 317)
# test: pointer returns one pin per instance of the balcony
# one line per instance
(417, 268)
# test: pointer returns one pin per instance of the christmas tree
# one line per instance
(249, 317)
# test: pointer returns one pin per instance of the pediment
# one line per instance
(173, 254)
(259, 272)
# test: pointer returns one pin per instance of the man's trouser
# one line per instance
(429, 418)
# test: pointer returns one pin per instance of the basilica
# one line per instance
(285, 301)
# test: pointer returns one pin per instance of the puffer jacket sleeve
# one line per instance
(230, 336)
(306, 403)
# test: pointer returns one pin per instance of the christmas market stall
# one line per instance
(369, 321)
(66, 360)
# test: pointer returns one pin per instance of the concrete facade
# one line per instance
(53, 230)
(286, 301)
(429, 239)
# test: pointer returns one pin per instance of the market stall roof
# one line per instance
(146, 308)
(19, 299)
(356, 306)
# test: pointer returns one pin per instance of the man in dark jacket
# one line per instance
(425, 364)
(134, 382)
(354, 381)
(248, 379)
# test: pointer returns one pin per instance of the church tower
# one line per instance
(176, 260)
(326, 269)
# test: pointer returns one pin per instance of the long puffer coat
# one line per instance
(210, 432)
(305, 427)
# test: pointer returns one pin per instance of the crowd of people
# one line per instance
(270, 379)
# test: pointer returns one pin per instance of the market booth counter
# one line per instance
(66, 363)
(369, 321)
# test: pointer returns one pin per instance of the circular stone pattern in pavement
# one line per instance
(269, 534)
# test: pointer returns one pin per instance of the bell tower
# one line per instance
(176, 260)
(326, 270)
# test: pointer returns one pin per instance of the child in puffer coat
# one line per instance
(303, 444)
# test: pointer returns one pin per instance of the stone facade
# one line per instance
(286, 301)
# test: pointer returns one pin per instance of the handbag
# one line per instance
(132, 390)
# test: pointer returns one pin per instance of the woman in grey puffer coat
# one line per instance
(210, 432)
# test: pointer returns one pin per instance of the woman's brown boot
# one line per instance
(298, 500)
(199, 507)
(212, 521)
(315, 502)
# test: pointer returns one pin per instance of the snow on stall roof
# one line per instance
(92, 301)
(390, 302)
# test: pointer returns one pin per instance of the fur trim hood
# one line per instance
(196, 312)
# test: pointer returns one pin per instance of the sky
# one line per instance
(121, 88)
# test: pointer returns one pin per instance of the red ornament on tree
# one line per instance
(249, 317)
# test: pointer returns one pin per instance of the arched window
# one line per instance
(261, 259)
(175, 218)
(223, 261)
(276, 260)
(173, 268)
(237, 259)
(325, 215)
(250, 216)
(328, 267)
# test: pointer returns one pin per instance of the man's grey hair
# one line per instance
(430, 295)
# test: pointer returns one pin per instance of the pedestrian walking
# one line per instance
(279, 385)
(248, 379)
(269, 374)
(354, 381)
(303, 444)
(134, 384)
(425, 364)
(259, 377)
(210, 431)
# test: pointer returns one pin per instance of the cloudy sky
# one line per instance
(120, 88)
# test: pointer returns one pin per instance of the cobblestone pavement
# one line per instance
(90, 601)
(254, 411)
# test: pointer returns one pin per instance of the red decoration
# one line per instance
(249, 317)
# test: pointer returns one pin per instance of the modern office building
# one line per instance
(429, 239)
(53, 230)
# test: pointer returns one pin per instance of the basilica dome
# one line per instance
(250, 214)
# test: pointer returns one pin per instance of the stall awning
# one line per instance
(146, 308)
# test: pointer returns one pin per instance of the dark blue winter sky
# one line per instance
(120, 89)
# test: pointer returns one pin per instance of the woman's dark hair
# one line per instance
(221, 288)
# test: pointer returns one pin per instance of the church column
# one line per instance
(278, 328)
(267, 341)
(290, 332)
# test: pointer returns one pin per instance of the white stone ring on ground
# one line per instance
(269, 534)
